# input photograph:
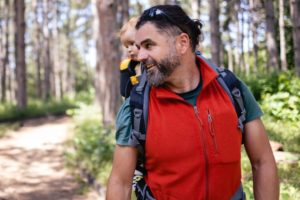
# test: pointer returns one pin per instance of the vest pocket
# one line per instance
(211, 130)
(222, 134)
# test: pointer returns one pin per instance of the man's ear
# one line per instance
(182, 43)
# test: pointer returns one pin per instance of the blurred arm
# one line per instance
(265, 179)
(120, 180)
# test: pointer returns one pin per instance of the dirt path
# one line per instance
(31, 163)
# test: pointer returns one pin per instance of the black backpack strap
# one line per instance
(139, 100)
(233, 87)
(139, 103)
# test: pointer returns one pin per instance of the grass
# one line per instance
(285, 132)
(4, 128)
(288, 177)
(11, 113)
(288, 134)
(89, 152)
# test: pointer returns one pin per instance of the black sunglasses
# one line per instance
(155, 13)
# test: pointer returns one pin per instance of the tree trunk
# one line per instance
(242, 56)
(11, 86)
(37, 49)
(196, 5)
(282, 36)
(107, 77)
(47, 61)
(230, 59)
(123, 9)
(5, 62)
(57, 65)
(295, 15)
(215, 31)
(237, 53)
(20, 26)
(270, 35)
(254, 26)
(248, 53)
(70, 72)
(1, 54)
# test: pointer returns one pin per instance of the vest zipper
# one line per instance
(212, 130)
(205, 154)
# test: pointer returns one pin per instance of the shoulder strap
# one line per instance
(232, 86)
(139, 100)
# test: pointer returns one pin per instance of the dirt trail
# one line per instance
(31, 163)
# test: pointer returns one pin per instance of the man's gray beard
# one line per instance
(163, 70)
(156, 78)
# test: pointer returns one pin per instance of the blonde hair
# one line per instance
(130, 24)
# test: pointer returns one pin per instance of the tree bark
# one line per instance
(254, 26)
(37, 49)
(1, 53)
(70, 70)
(123, 9)
(295, 15)
(57, 65)
(214, 10)
(270, 36)
(237, 51)
(107, 77)
(196, 5)
(282, 36)
(242, 56)
(47, 61)
(5, 62)
(20, 26)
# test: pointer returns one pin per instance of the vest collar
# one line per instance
(207, 75)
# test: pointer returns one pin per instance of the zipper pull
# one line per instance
(212, 129)
(197, 115)
(210, 121)
(209, 117)
(196, 110)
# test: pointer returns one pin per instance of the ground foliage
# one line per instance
(279, 97)
(89, 152)
(9, 112)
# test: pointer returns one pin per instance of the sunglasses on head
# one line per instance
(156, 13)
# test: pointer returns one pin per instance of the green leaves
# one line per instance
(91, 148)
(278, 94)
(282, 105)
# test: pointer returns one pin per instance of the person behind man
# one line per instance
(193, 145)
(130, 68)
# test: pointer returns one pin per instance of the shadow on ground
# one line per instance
(32, 166)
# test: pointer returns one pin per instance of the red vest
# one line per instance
(193, 153)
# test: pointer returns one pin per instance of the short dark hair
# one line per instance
(170, 16)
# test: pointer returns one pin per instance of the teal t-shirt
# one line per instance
(123, 122)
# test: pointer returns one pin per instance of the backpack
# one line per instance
(139, 100)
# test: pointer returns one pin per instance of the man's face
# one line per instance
(157, 52)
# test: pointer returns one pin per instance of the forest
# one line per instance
(61, 57)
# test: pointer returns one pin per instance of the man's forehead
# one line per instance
(146, 31)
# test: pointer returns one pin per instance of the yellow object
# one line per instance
(124, 64)
(134, 80)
